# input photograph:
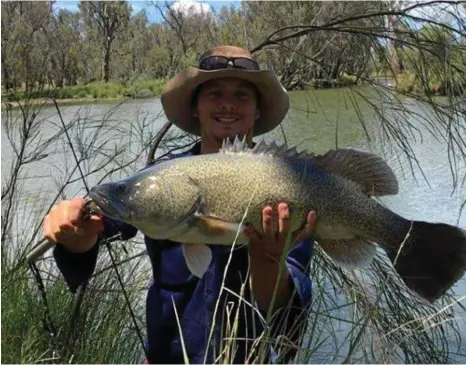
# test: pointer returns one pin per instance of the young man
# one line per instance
(225, 96)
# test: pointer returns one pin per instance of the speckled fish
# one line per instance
(205, 199)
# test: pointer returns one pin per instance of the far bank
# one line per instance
(101, 92)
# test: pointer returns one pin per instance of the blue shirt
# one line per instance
(195, 299)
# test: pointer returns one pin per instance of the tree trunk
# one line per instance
(6, 76)
(336, 69)
(133, 63)
(108, 46)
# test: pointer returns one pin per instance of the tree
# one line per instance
(23, 44)
(63, 36)
(110, 18)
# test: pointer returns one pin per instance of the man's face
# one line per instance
(226, 107)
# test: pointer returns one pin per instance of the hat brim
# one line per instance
(177, 95)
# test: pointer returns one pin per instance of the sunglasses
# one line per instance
(222, 62)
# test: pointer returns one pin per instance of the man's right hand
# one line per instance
(64, 224)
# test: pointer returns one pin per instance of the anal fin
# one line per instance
(354, 253)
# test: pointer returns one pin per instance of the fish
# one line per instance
(208, 199)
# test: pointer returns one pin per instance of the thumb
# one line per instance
(95, 224)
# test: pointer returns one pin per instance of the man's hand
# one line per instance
(266, 249)
(275, 228)
(64, 224)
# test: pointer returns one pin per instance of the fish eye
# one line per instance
(120, 188)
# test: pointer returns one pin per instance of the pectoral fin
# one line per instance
(198, 258)
(216, 226)
(200, 228)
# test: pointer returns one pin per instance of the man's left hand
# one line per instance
(275, 228)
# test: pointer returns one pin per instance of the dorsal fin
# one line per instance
(366, 169)
(262, 148)
(236, 147)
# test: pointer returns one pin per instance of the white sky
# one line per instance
(188, 7)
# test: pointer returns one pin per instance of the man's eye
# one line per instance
(242, 95)
(214, 93)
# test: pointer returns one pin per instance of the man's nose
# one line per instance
(227, 103)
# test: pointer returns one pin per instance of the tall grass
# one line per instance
(37, 149)
(102, 334)
(356, 315)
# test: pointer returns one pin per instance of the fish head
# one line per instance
(134, 200)
(152, 202)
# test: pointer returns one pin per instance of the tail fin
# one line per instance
(432, 259)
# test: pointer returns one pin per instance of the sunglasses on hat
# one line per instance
(222, 62)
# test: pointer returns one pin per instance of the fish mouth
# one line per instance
(112, 208)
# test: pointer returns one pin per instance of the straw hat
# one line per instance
(178, 92)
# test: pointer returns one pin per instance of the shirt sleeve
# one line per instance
(299, 266)
(76, 268)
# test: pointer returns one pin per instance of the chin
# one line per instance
(232, 137)
(230, 134)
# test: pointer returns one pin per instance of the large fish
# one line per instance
(205, 199)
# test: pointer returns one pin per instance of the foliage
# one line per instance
(306, 43)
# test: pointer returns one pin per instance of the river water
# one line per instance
(318, 121)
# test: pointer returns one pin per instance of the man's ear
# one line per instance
(258, 114)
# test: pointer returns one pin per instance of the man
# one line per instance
(227, 95)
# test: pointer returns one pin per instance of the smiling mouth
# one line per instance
(225, 120)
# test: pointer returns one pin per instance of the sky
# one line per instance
(153, 14)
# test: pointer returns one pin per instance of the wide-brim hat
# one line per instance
(178, 93)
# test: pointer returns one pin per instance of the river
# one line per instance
(318, 120)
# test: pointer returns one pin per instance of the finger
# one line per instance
(283, 221)
(308, 229)
(311, 222)
(268, 222)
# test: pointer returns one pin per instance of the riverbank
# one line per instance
(88, 94)
(412, 83)
(61, 102)
(101, 93)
